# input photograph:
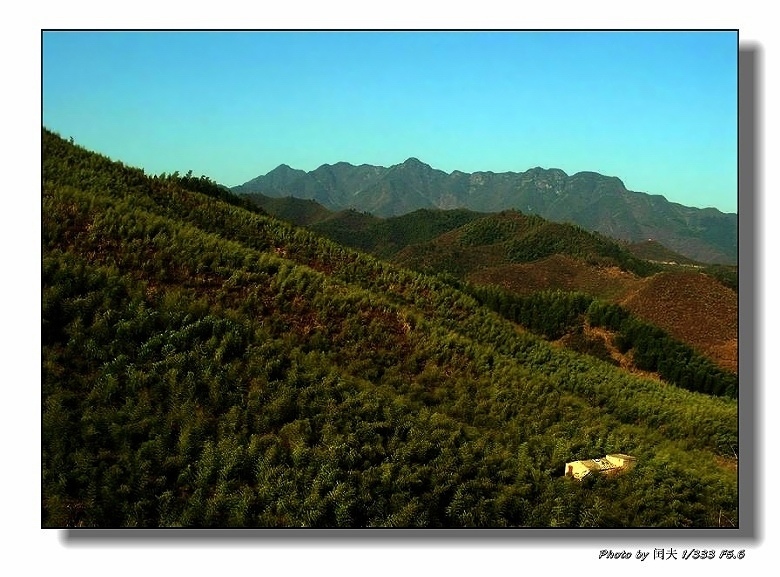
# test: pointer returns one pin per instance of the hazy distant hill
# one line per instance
(588, 199)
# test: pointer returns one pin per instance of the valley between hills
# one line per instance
(230, 358)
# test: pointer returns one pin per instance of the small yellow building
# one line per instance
(610, 464)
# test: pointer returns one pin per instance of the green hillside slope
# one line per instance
(511, 237)
(295, 210)
(387, 237)
(207, 366)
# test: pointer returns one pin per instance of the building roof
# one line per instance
(611, 463)
(622, 456)
(597, 465)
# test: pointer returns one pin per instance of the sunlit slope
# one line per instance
(693, 307)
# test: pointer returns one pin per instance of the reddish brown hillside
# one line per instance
(654, 251)
(559, 272)
(692, 307)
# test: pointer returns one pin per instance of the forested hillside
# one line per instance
(511, 237)
(526, 255)
(206, 365)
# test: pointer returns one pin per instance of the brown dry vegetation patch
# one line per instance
(691, 306)
(445, 254)
(559, 272)
(694, 308)
(728, 463)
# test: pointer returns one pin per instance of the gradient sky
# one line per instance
(656, 109)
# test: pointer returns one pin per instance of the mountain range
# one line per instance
(588, 199)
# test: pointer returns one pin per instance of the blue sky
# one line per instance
(656, 109)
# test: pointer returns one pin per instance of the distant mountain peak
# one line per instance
(415, 162)
(284, 168)
(598, 177)
(335, 166)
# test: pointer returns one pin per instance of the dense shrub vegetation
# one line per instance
(555, 314)
(209, 366)
(654, 350)
(528, 238)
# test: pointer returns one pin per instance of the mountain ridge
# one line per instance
(588, 199)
